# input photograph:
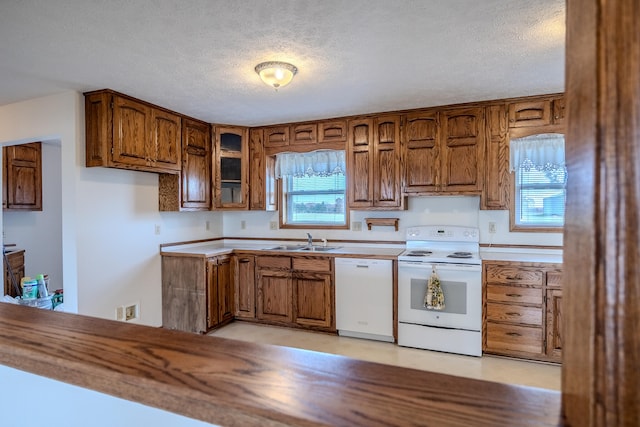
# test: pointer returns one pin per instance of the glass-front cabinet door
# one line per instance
(231, 168)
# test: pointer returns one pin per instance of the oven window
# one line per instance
(455, 296)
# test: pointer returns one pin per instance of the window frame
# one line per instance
(282, 212)
(513, 226)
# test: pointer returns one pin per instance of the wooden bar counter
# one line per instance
(234, 383)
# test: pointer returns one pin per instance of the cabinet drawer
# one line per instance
(276, 262)
(513, 275)
(508, 338)
(554, 279)
(514, 294)
(312, 264)
(514, 313)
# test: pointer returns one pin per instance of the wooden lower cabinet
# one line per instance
(16, 261)
(197, 293)
(244, 285)
(296, 291)
(521, 310)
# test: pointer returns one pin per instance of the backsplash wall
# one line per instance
(434, 210)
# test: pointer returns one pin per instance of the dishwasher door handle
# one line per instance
(362, 266)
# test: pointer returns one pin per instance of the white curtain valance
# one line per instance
(315, 163)
(541, 152)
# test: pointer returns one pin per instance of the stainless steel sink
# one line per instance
(319, 248)
(285, 248)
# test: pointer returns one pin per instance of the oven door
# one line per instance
(462, 288)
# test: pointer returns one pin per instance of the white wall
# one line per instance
(26, 403)
(40, 233)
(433, 210)
(110, 252)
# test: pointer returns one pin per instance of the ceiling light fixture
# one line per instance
(275, 73)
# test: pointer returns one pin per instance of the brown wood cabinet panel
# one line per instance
(463, 133)
(313, 302)
(184, 294)
(257, 170)
(514, 314)
(126, 133)
(276, 136)
(496, 191)
(554, 279)
(513, 274)
(554, 323)
(274, 262)
(244, 286)
(558, 110)
(275, 296)
(225, 288)
(231, 168)
(16, 262)
(212, 294)
(513, 338)
(421, 152)
(196, 165)
(386, 177)
(304, 133)
(22, 177)
(311, 264)
(332, 131)
(530, 113)
(514, 294)
(360, 163)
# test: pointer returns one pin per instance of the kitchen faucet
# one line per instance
(309, 240)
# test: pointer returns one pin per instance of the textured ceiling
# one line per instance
(354, 56)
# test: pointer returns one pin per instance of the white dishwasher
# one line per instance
(364, 298)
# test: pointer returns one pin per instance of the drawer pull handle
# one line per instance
(514, 314)
(513, 334)
(514, 277)
(514, 295)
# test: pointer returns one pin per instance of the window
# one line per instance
(313, 189)
(540, 181)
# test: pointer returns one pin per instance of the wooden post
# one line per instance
(601, 343)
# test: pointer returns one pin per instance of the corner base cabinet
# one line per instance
(522, 310)
(197, 292)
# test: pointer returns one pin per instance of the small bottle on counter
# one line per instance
(43, 292)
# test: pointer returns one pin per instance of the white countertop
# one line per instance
(221, 247)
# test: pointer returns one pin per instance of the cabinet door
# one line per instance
(554, 323)
(164, 151)
(276, 136)
(463, 142)
(275, 296)
(304, 134)
(312, 299)
(232, 159)
(131, 132)
(244, 286)
(421, 152)
(22, 166)
(257, 171)
(16, 262)
(386, 169)
(196, 165)
(360, 163)
(530, 113)
(212, 294)
(496, 190)
(226, 306)
(332, 131)
(185, 298)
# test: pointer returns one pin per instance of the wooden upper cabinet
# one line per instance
(530, 113)
(257, 170)
(421, 152)
(276, 136)
(22, 177)
(496, 190)
(463, 137)
(360, 163)
(123, 132)
(231, 167)
(304, 134)
(196, 165)
(332, 131)
(373, 153)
